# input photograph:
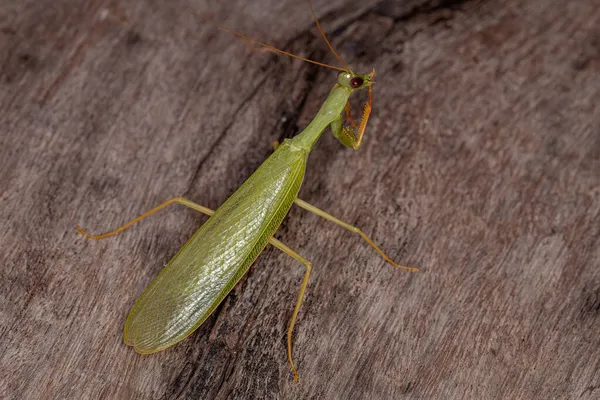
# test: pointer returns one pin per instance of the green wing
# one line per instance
(206, 268)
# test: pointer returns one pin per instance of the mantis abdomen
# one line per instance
(208, 266)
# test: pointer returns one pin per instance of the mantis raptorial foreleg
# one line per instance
(207, 211)
(347, 109)
(351, 136)
(351, 228)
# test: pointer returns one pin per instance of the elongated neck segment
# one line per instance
(330, 110)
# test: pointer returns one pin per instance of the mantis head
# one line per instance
(354, 81)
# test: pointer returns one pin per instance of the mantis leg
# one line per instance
(180, 200)
(349, 116)
(308, 266)
(351, 136)
(351, 228)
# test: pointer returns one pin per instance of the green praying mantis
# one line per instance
(195, 281)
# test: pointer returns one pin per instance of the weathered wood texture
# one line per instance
(481, 166)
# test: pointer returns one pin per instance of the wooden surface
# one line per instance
(481, 165)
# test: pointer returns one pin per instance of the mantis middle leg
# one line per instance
(351, 228)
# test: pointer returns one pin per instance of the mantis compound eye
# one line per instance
(356, 82)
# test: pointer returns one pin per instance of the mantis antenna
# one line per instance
(275, 49)
(312, 10)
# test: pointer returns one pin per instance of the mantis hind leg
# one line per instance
(351, 228)
(180, 200)
(308, 266)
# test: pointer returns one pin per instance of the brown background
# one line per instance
(481, 165)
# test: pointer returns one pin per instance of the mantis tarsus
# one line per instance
(207, 267)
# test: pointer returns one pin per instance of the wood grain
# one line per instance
(481, 165)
